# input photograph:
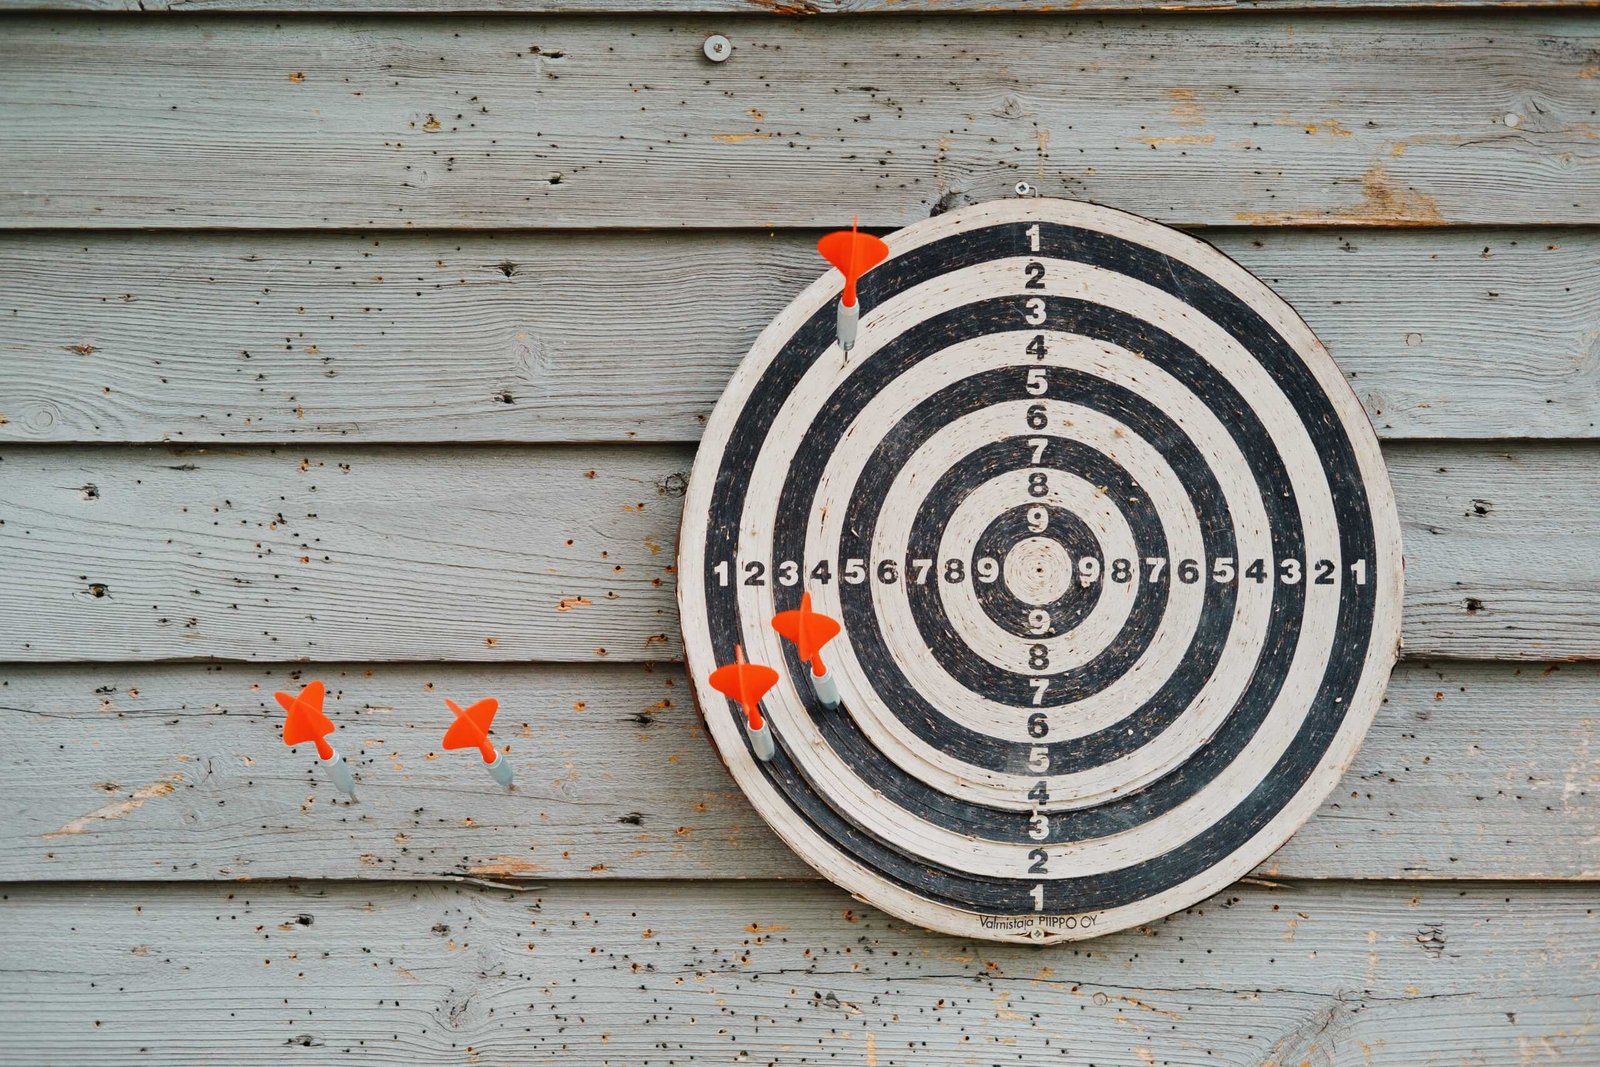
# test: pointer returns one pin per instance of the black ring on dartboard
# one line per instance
(926, 339)
(971, 670)
(1356, 538)
(1067, 455)
(1008, 530)
(897, 356)
(927, 602)
(1070, 456)
(919, 797)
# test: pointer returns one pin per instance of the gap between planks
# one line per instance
(1470, 771)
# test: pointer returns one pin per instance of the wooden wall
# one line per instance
(370, 340)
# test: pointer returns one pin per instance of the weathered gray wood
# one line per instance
(647, 974)
(179, 773)
(597, 123)
(774, 7)
(204, 338)
(384, 553)
(1500, 559)
(395, 553)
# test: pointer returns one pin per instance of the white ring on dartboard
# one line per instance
(1067, 648)
(1143, 886)
(960, 535)
(882, 413)
(845, 787)
(1096, 712)
(860, 800)
(762, 611)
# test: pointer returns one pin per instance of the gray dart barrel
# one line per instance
(500, 769)
(849, 319)
(339, 772)
(827, 690)
(761, 740)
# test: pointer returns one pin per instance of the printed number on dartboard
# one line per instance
(1088, 570)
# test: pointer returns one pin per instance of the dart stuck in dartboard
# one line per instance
(1100, 544)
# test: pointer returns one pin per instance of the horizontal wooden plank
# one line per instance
(556, 554)
(178, 773)
(272, 338)
(511, 122)
(644, 973)
(565, 553)
(775, 7)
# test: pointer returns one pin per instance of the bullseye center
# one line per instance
(1038, 571)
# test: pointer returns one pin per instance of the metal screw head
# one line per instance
(718, 48)
(1025, 189)
(1036, 934)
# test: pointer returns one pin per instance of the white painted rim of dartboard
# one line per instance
(785, 705)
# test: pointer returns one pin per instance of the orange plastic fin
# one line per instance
(808, 629)
(304, 720)
(745, 683)
(853, 253)
(471, 728)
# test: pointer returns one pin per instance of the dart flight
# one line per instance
(810, 630)
(746, 683)
(471, 730)
(853, 253)
(304, 722)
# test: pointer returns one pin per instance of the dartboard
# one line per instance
(1114, 553)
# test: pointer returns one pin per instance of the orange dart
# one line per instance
(853, 253)
(746, 683)
(810, 630)
(304, 722)
(471, 730)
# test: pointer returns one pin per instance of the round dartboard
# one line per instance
(1114, 552)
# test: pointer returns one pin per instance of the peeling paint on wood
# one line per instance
(118, 810)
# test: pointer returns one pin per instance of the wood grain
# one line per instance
(645, 973)
(774, 7)
(401, 553)
(579, 123)
(523, 338)
(178, 773)
(384, 553)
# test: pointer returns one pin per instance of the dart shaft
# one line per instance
(338, 772)
(827, 690)
(849, 319)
